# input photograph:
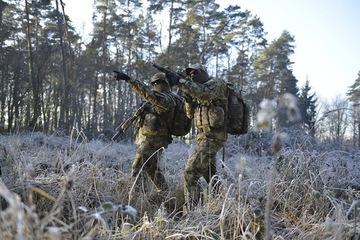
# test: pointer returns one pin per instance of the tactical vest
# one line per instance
(174, 122)
(239, 113)
(152, 123)
(211, 115)
(181, 124)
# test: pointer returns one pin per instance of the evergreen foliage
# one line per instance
(307, 104)
(273, 68)
(52, 78)
(354, 91)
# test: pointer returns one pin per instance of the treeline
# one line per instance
(51, 78)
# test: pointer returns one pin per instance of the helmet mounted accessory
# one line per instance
(197, 73)
(156, 81)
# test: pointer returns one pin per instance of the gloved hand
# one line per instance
(121, 76)
(173, 78)
(188, 98)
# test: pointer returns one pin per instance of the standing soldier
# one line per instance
(209, 110)
(154, 125)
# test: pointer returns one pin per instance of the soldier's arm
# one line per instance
(212, 89)
(190, 109)
(160, 100)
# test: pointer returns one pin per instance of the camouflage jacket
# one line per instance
(209, 108)
(158, 116)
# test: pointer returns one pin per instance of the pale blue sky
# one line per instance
(327, 37)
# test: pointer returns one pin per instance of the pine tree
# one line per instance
(354, 91)
(246, 35)
(307, 105)
(354, 97)
(176, 11)
(273, 73)
(273, 68)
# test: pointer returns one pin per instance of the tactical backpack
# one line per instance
(181, 124)
(238, 112)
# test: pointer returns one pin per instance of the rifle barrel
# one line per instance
(117, 134)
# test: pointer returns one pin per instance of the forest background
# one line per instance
(59, 103)
(53, 80)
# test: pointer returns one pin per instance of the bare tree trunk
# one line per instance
(73, 109)
(14, 105)
(170, 29)
(203, 44)
(64, 103)
(106, 123)
(359, 134)
(1, 10)
(94, 117)
(33, 83)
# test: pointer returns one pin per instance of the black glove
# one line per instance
(188, 98)
(121, 76)
(173, 78)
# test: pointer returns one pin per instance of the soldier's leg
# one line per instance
(196, 167)
(140, 158)
(191, 188)
(210, 175)
(154, 172)
(147, 159)
(138, 172)
(137, 176)
(201, 163)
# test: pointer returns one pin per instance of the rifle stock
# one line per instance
(170, 72)
(127, 123)
(179, 75)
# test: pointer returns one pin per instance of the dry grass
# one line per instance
(54, 188)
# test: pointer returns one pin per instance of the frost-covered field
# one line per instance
(70, 188)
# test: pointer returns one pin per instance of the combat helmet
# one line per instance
(158, 77)
(200, 76)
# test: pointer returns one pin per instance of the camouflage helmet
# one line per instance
(196, 66)
(157, 77)
(201, 76)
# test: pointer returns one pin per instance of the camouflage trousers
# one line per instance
(202, 163)
(147, 160)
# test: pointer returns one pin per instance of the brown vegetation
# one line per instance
(62, 188)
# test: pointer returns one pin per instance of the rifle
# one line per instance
(173, 78)
(126, 124)
(170, 74)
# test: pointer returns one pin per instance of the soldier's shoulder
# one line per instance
(215, 83)
(177, 98)
(170, 97)
(175, 95)
(161, 94)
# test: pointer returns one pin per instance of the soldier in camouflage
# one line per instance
(209, 110)
(153, 126)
